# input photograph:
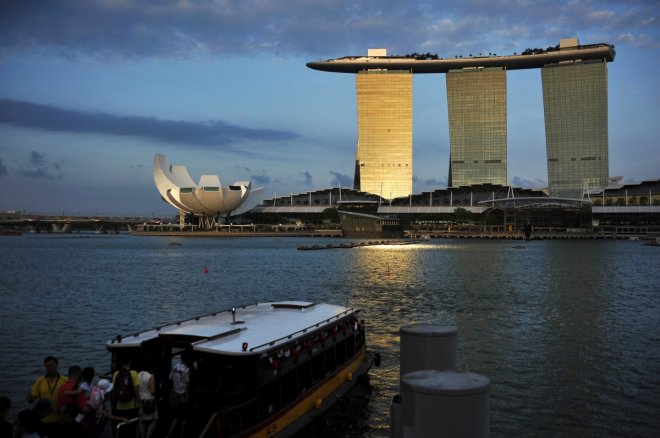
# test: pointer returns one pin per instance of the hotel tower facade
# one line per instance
(574, 81)
(476, 105)
(576, 134)
(383, 163)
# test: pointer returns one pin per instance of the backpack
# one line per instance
(123, 386)
(96, 398)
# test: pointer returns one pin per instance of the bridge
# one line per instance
(68, 224)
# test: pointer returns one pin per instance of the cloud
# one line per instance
(261, 178)
(3, 168)
(306, 179)
(36, 159)
(214, 134)
(436, 182)
(429, 183)
(340, 179)
(185, 29)
(38, 167)
(528, 184)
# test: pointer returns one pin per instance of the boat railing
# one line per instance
(218, 415)
(305, 330)
(123, 429)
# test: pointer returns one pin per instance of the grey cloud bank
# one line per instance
(214, 134)
(313, 28)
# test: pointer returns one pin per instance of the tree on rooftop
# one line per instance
(462, 215)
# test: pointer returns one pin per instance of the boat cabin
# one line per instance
(257, 369)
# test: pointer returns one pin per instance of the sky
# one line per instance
(91, 90)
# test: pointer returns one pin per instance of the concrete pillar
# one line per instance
(61, 228)
(428, 347)
(445, 404)
(57, 228)
(423, 347)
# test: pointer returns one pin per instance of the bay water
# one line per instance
(568, 332)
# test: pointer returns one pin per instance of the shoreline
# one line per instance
(415, 237)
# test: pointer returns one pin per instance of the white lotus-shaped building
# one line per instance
(207, 198)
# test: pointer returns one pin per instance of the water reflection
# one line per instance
(567, 331)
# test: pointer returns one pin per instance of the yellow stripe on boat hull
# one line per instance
(311, 401)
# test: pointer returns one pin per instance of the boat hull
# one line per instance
(317, 401)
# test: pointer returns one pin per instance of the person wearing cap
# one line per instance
(99, 395)
(47, 388)
(101, 401)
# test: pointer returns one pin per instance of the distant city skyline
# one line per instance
(90, 91)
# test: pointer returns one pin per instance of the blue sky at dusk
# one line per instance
(90, 90)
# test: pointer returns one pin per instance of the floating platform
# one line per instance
(359, 244)
(308, 233)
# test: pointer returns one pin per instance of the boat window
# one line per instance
(289, 387)
(350, 346)
(330, 358)
(225, 381)
(269, 398)
(304, 376)
(318, 367)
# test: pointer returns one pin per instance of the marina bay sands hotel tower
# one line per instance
(574, 81)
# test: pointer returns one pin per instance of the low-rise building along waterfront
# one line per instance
(489, 207)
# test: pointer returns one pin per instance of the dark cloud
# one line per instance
(36, 159)
(39, 168)
(261, 178)
(528, 184)
(340, 180)
(36, 173)
(214, 134)
(172, 28)
(3, 168)
(306, 179)
(429, 183)
(436, 182)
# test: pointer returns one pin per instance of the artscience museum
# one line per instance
(206, 200)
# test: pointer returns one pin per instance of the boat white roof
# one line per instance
(262, 326)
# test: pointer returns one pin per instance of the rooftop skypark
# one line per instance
(431, 63)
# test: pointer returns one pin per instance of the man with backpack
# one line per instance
(180, 394)
(125, 393)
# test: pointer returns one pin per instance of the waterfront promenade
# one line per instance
(239, 233)
(139, 226)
